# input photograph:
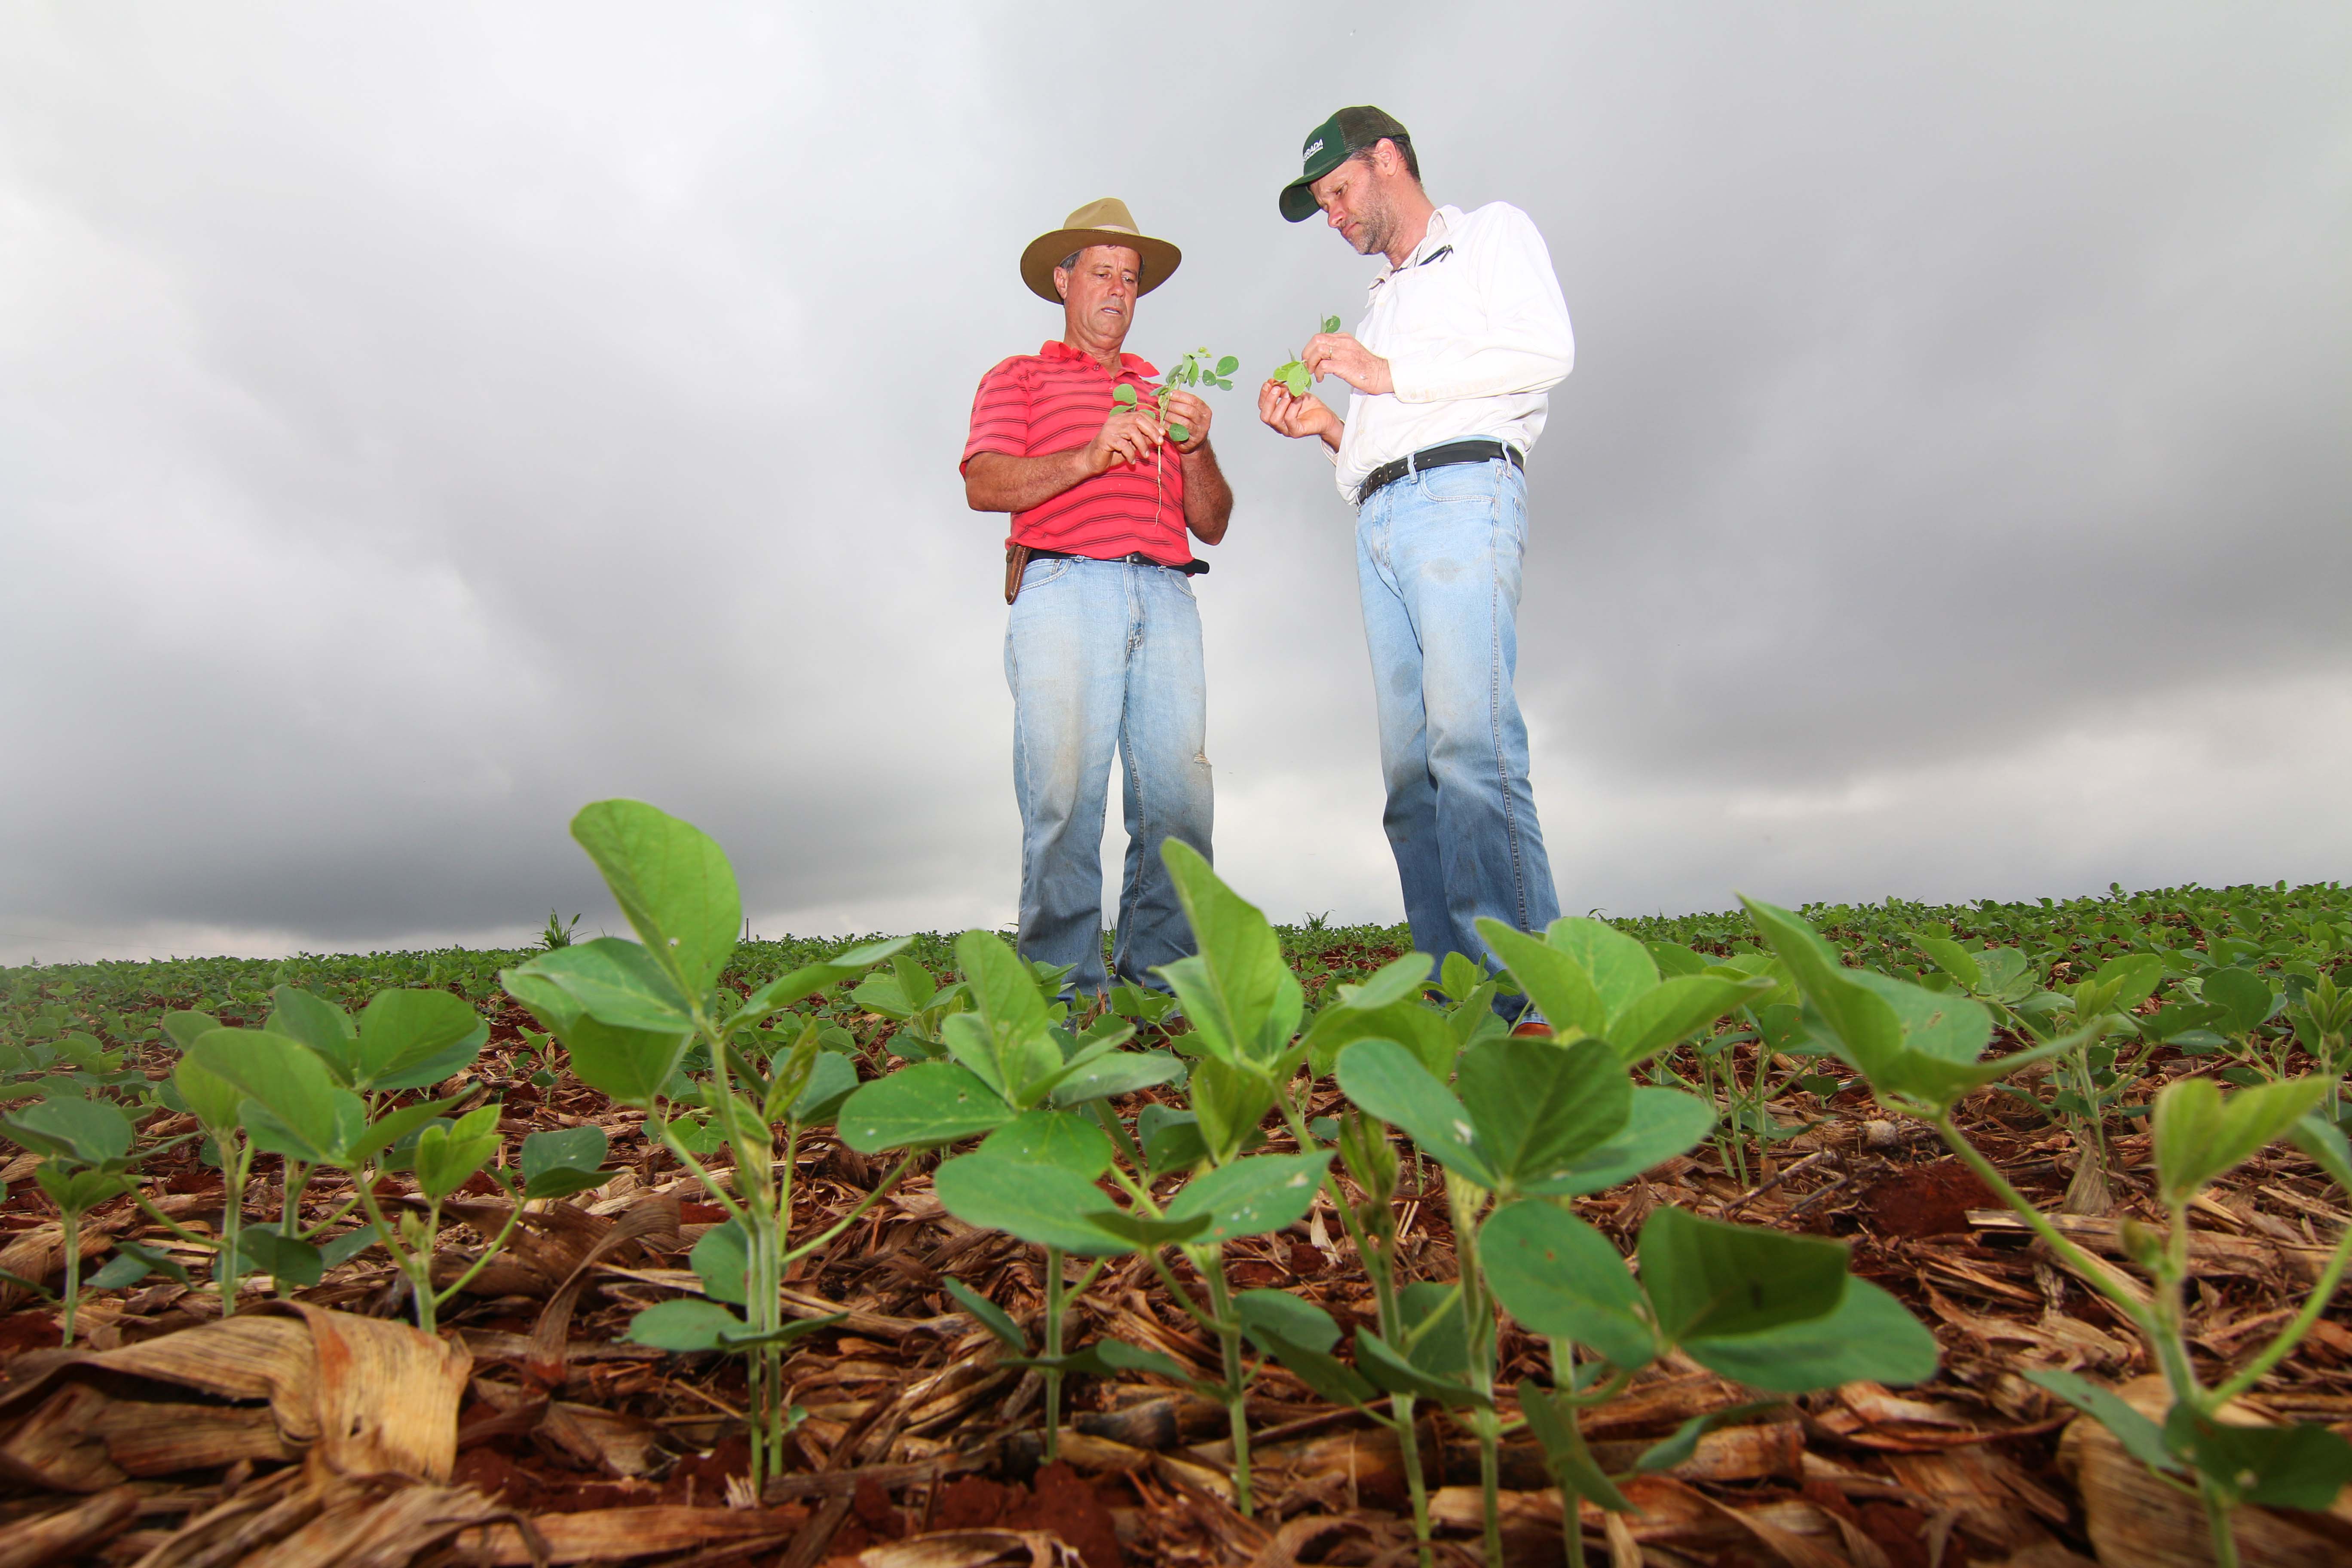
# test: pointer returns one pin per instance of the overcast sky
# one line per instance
(416, 422)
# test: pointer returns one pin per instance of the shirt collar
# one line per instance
(1440, 224)
(1129, 364)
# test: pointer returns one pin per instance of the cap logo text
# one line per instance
(1312, 147)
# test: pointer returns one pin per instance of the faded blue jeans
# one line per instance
(1437, 557)
(1104, 656)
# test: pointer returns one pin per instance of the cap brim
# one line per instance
(1045, 252)
(1298, 202)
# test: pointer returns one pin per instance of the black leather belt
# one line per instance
(1133, 558)
(1446, 456)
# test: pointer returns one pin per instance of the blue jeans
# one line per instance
(1102, 654)
(1437, 558)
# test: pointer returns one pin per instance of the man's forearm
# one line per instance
(996, 481)
(1208, 499)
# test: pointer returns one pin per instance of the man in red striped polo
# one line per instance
(1102, 648)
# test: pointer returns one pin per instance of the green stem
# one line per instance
(1181, 1296)
(231, 1268)
(1120, 1138)
(72, 1221)
(514, 1217)
(166, 1221)
(419, 1275)
(1212, 1264)
(1464, 1201)
(289, 1212)
(1571, 1507)
(1053, 1353)
(335, 1218)
(1417, 1484)
(2074, 1257)
(2217, 1523)
(695, 1168)
(1376, 1244)
(897, 1173)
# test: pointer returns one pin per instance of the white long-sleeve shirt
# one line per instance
(1475, 334)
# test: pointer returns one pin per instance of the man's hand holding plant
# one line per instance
(1285, 404)
(1337, 353)
(1131, 435)
(1188, 413)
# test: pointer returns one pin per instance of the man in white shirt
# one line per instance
(1463, 334)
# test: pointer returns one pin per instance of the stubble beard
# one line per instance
(1372, 232)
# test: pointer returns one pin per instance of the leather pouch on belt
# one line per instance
(1016, 561)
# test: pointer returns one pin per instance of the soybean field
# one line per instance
(1882, 1234)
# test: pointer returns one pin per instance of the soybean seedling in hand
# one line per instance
(1194, 369)
(1294, 375)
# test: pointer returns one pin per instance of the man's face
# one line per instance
(1355, 199)
(1098, 294)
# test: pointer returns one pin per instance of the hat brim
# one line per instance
(1045, 252)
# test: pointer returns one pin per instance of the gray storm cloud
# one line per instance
(417, 423)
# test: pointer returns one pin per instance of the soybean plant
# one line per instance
(628, 1012)
(291, 1105)
(1195, 369)
(1294, 374)
(1920, 1053)
(1530, 1123)
(1013, 1073)
(87, 1160)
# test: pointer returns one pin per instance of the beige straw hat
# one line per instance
(1106, 222)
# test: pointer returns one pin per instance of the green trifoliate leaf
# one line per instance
(447, 1157)
(832, 1079)
(1301, 1323)
(1254, 1196)
(1237, 992)
(1868, 1338)
(673, 883)
(1118, 1073)
(1538, 1108)
(684, 1325)
(1384, 1079)
(1423, 1031)
(209, 1097)
(2299, 1465)
(617, 983)
(810, 978)
(1057, 1138)
(412, 1039)
(1563, 1280)
(309, 1116)
(2199, 1135)
(631, 1066)
(1621, 967)
(1562, 988)
(2245, 999)
(300, 1014)
(921, 1107)
(1708, 1280)
(558, 1163)
(1048, 1206)
(1660, 1123)
(91, 1132)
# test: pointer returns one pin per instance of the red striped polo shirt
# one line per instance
(1057, 399)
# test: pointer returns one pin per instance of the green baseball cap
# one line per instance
(1330, 144)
